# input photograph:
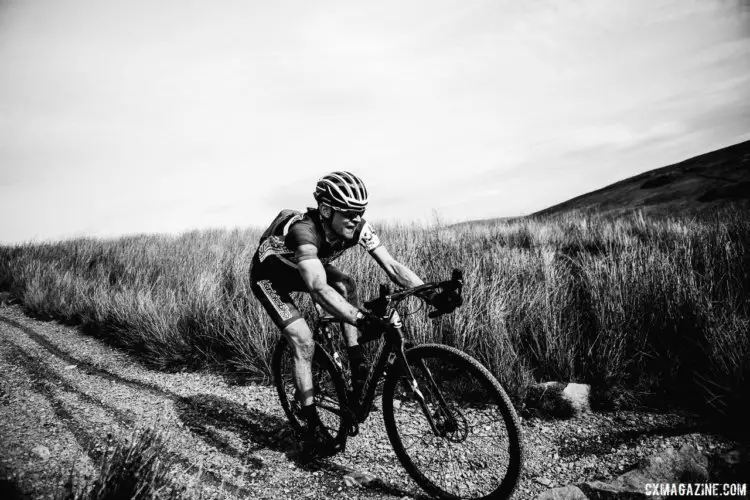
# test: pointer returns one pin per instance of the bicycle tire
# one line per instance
(329, 390)
(474, 398)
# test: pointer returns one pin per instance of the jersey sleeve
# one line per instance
(299, 238)
(368, 238)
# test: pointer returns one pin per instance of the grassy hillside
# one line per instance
(698, 185)
(647, 310)
(626, 288)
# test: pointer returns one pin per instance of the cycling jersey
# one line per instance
(274, 272)
(291, 229)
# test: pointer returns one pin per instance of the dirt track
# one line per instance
(73, 395)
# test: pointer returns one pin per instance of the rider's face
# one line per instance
(344, 223)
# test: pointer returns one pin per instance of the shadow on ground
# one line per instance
(602, 444)
(215, 420)
(228, 427)
(9, 490)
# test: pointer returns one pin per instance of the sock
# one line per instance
(310, 414)
(355, 360)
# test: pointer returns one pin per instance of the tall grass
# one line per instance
(133, 469)
(657, 307)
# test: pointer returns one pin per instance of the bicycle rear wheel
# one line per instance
(328, 387)
(477, 451)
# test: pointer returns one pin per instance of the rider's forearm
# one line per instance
(334, 303)
(403, 276)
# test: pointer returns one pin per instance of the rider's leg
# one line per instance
(276, 300)
(300, 337)
(280, 306)
(347, 287)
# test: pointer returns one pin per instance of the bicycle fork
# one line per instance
(398, 341)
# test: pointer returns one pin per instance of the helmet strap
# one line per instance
(327, 221)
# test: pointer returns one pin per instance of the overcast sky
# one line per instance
(164, 115)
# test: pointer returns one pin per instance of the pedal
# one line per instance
(353, 429)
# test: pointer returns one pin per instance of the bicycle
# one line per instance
(434, 396)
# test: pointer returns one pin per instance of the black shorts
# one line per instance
(272, 283)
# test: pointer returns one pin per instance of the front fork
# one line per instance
(397, 340)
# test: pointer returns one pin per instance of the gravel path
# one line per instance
(65, 397)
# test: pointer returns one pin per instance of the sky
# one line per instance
(160, 116)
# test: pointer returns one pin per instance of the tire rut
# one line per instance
(46, 382)
(89, 367)
(236, 441)
(39, 382)
(230, 430)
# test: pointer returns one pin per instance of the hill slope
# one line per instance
(706, 182)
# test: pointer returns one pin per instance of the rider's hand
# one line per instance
(368, 323)
(446, 301)
(428, 296)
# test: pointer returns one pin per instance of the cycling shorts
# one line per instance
(273, 284)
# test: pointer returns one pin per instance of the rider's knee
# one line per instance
(301, 338)
(306, 349)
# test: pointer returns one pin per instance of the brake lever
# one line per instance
(455, 284)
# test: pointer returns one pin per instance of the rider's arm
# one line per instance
(314, 275)
(397, 272)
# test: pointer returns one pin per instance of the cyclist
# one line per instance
(295, 254)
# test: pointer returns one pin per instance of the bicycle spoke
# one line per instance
(470, 453)
(328, 391)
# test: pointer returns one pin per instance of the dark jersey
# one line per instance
(291, 229)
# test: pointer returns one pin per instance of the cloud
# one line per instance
(726, 52)
(230, 111)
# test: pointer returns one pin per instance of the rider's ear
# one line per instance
(325, 211)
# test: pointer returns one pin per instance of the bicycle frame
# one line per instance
(393, 350)
(393, 345)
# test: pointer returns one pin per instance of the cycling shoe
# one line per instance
(316, 445)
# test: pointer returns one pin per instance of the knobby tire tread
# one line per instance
(512, 424)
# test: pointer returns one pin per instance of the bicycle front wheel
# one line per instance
(475, 449)
(328, 389)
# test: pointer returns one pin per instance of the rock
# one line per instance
(358, 478)
(578, 396)
(544, 481)
(566, 493)
(731, 466)
(559, 400)
(686, 465)
(42, 452)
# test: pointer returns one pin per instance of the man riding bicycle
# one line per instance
(295, 254)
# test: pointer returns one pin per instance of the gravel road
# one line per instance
(65, 397)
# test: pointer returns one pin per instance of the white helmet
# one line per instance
(341, 190)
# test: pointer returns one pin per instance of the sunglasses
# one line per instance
(349, 214)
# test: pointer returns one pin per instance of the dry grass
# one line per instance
(655, 307)
(133, 469)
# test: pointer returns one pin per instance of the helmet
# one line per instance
(341, 190)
